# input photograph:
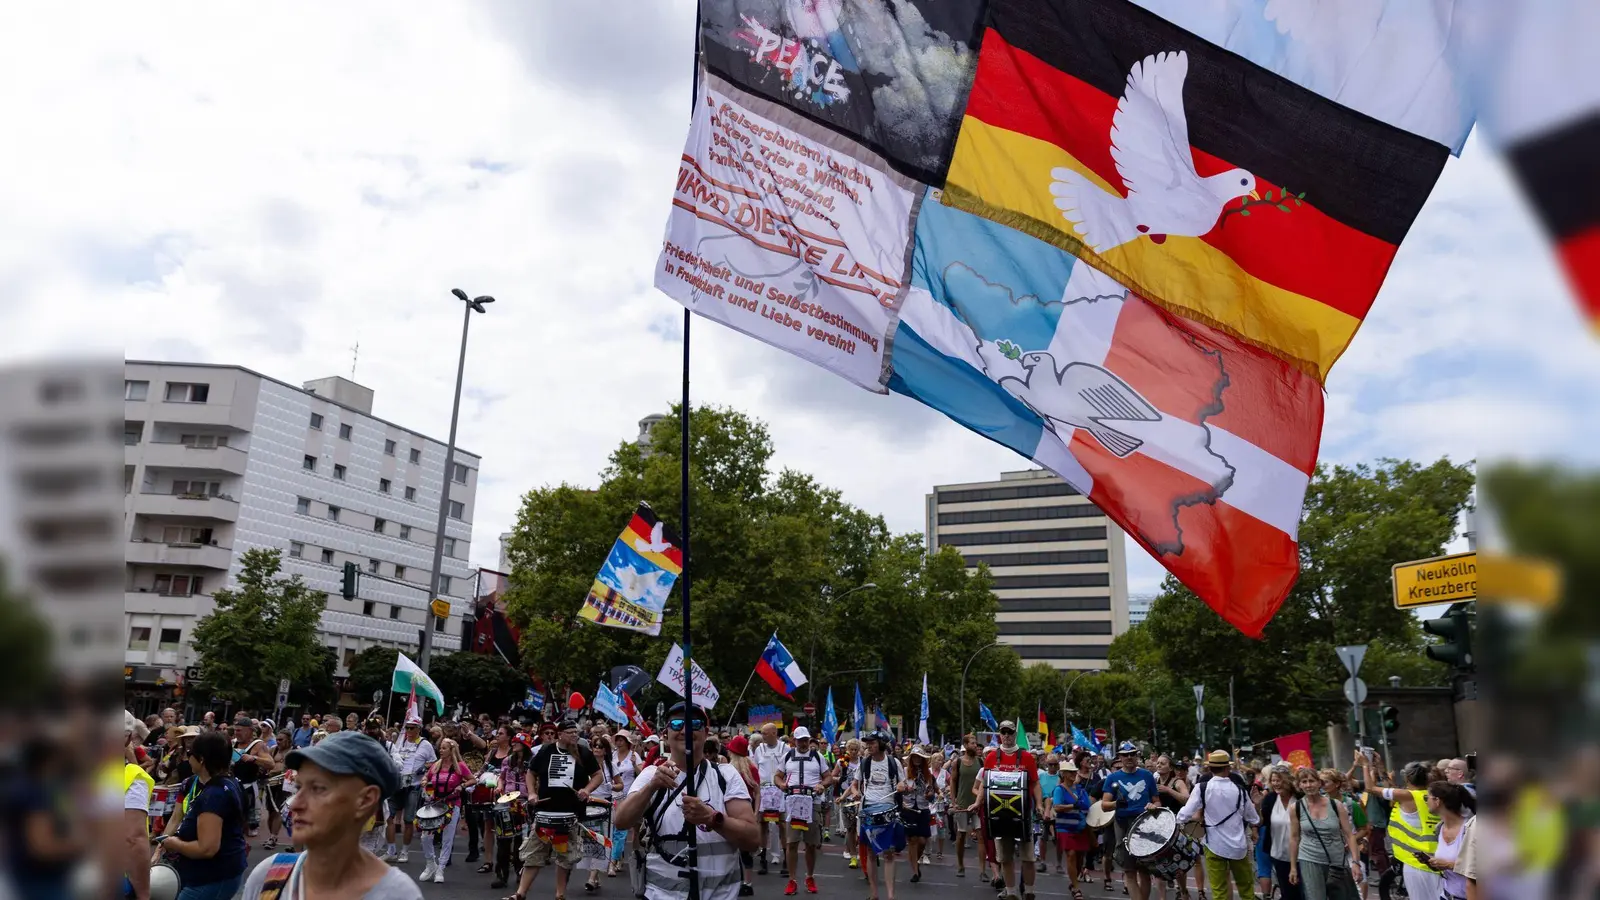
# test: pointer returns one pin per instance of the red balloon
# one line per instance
(575, 702)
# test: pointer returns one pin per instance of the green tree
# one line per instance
(1358, 521)
(372, 670)
(27, 660)
(484, 683)
(261, 631)
(770, 551)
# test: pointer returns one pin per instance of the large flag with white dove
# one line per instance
(1058, 223)
(631, 590)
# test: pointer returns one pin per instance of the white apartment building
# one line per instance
(1139, 608)
(220, 459)
(1059, 565)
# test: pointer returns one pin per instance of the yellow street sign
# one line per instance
(440, 607)
(1443, 579)
(1517, 578)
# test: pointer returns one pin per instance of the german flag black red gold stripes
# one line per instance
(1292, 267)
(1560, 172)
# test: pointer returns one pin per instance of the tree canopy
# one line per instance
(772, 550)
(261, 631)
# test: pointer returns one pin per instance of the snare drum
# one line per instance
(555, 829)
(163, 800)
(1156, 844)
(432, 817)
(505, 820)
(880, 815)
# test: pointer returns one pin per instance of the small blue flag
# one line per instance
(988, 717)
(861, 710)
(830, 720)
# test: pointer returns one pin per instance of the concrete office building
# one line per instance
(1139, 608)
(220, 460)
(1059, 566)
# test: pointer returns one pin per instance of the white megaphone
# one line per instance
(164, 882)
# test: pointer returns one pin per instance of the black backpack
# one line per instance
(894, 776)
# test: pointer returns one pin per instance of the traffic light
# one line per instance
(1242, 732)
(1455, 627)
(350, 576)
(1390, 718)
(1227, 728)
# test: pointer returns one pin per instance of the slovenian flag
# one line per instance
(778, 668)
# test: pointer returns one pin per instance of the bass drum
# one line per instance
(164, 882)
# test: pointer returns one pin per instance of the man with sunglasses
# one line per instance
(1008, 757)
(720, 808)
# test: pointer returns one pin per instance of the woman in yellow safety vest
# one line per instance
(1413, 831)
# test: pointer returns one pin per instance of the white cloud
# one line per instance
(269, 185)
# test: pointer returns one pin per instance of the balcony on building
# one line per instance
(194, 455)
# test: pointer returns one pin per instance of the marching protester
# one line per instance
(1172, 789)
(1276, 809)
(1129, 790)
(882, 833)
(1220, 801)
(609, 789)
(739, 758)
(561, 779)
(802, 776)
(1322, 843)
(626, 764)
(342, 782)
(208, 849)
(442, 786)
(1069, 806)
(513, 773)
(1413, 831)
(918, 790)
(668, 803)
(845, 771)
(1014, 851)
(484, 793)
(252, 759)
(768, 756)
(1448, 801)
(411, 755)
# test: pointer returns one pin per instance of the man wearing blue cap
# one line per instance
(343, 781)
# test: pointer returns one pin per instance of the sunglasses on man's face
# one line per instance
(676, 723)
(1008, 731)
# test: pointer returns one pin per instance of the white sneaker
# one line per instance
(438, 877)
(404, 857)
(428, 871)
(389, 857)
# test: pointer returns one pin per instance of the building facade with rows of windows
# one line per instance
(1059, 565)
(219, 460)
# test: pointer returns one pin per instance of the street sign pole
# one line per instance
(1355, 690)
(1200, 714)
(1233, 719)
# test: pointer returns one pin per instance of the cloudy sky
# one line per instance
(268, 186)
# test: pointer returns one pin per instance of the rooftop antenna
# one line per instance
(355, 353)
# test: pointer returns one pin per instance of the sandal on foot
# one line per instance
(1108, 885)
(486, 868)
(1077, 894)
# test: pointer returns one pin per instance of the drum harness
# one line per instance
(1238, 808)
(894, 778)
(651, 825)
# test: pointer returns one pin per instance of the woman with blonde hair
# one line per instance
(941, 803)
(443, 785)
(1277, 808)
(846, 770)
(1322, 844)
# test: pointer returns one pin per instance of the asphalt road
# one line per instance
(835, 879)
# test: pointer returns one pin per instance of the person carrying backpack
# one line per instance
(1220, 801)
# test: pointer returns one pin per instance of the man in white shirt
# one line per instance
(720, 808)
(803, 771)
(1221, 801)
(411, 755)
(768, 755)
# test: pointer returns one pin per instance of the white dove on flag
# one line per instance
(1150, 146)
(1082, 395)
(658, 542)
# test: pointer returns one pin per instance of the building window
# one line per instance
(197, 488)
(349, 658)
(177, 585)
(178, 392)
(309, 463)
(411, 494)
(450, 547)
(372, 566)
(344, 432)
(459, 474)
(1022, 514)
(302, 505)
(1043, 558)
(333, 513)
(379, 525)
(132, 434)
(416, 455)
(438, 623)
(366, 607)
(1028, 536)
(170, 638)
(388, 448)
(394, 612)
(1068, 579)
(138, 638)
(444, 584)
(338, 472)
(297, 550)
(316, 421)
(136, 390)
(185, 534)
(457, 509)
(327, 557)
(405, 532)
(399, 571)
(383, 485)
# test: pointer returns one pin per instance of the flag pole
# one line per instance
(732, 713)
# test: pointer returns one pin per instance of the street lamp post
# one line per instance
(475, 304)
(963, 712)
(811, 691)
(1068, 692)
